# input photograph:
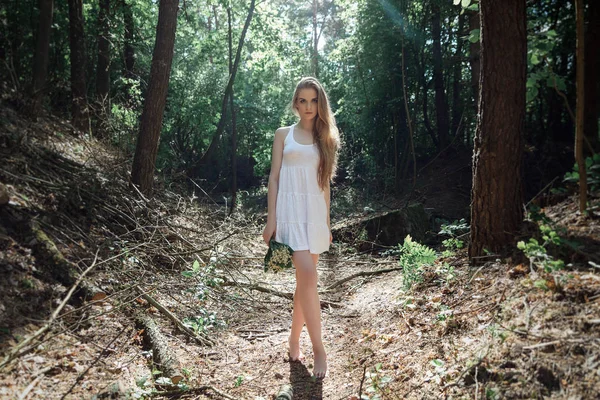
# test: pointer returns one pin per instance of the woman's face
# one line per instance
(307, 103)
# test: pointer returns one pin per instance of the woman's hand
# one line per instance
(330, 237)
(269, 232)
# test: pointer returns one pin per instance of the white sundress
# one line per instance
(301, 210)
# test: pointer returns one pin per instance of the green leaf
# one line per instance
(465, 3)
(473, 7)
(531, 82)
(457, 2)
(196, 266)
(551, 33)
(474, 36)
(534, 59)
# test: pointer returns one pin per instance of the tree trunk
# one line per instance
(233, 121)
(441, 103)
(79, 105)
(457, 106)
(40, 63)
(129, 49)
(221, 125)
(497, 194)
(142, 171)
(580, 109)
(592, 66)
(102, 71)
(315, 58)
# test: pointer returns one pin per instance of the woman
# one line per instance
(303, 163)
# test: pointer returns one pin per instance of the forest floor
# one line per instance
(502, 329)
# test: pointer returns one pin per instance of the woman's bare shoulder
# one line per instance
(282, 132)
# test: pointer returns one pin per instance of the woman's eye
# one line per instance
(302, 101)
(314, 100)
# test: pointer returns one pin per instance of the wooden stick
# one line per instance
(202, 337)
(363, 273)
(536, 346)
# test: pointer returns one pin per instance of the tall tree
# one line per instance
(580, 110)
(497, 194)
(144, 161)
(315, 37)
(212, 148)
(592, 68)
(441, 102)
(79, 105)
(233, 118)
(40, 63)
(129, 55)
(457, 102)
(102, 71)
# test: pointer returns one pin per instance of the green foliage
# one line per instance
(592, 166)
(238, 381)
(537, 252)
(204, 321)
(376, 381)
(413, 257)
(455, 228)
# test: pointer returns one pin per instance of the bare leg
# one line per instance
(297, 322)
(310, 305)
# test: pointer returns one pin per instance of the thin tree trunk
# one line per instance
(497, 194)
(592, 67)
(79, 106)
(408, 118)
(457, 105)
(144, 161)
(233, 121)
(221, 125)
(40, 63)
(315, 60)
(129, 38)
(102, 71)
(441, 103)
(579, 134)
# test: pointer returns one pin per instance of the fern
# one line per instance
(413, 256)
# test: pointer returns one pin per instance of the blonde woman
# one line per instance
(303, 163)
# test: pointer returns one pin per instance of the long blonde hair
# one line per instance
(325, 131)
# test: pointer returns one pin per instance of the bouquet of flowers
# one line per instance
(278, 257)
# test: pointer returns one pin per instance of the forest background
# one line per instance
(181, 98)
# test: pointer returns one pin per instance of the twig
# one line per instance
(536, 346)
(17, 350)
(202, 337)
(362, 381)
(30, 387)
(363, 273)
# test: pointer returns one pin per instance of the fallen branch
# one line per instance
(162, 356)
(21, 349)
(363, 273)
(258, 288)
(203, 339)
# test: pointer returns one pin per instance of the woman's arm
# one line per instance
(327, 193)
(276, 159)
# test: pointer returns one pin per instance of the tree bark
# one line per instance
(103, 65)
(497, 193)
(79, 105)
(592, 66)
(144, 161)
(212, 148)
(441, 103)
(40, 63)
(580, 109)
